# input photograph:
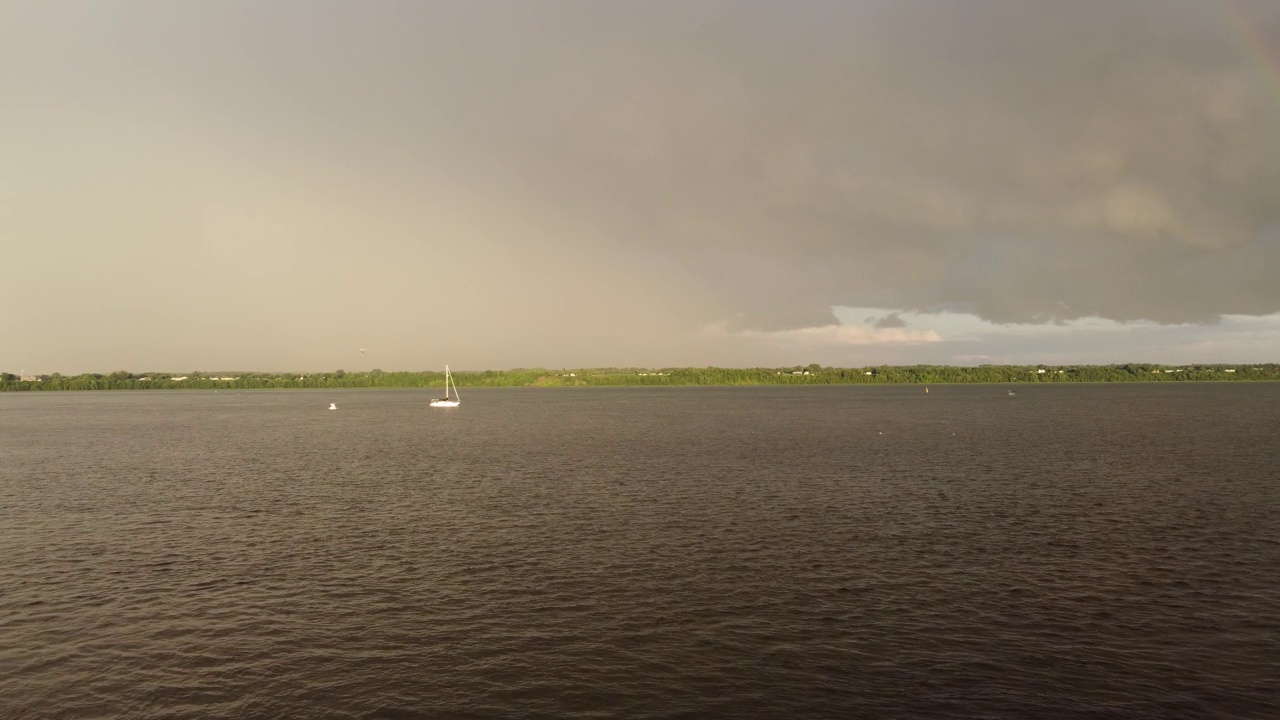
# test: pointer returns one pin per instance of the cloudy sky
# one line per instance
(495, 184)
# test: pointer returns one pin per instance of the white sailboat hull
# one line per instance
(444, 403)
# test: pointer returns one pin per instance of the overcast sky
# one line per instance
(273, 185)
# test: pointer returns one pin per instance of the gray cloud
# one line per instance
(565, 182)
(892, 320)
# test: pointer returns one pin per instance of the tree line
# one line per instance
(813, 374)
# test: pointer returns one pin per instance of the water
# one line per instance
(1074, 551)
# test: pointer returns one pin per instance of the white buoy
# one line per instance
(333, 406)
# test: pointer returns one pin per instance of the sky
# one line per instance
(276, 185)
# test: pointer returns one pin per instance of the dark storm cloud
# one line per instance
(1028, 161)
(552, 182)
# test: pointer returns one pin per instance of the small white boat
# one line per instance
(445, 401)
(333, 406)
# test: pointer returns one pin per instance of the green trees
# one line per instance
(812, 374)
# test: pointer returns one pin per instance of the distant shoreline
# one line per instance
(664, 377)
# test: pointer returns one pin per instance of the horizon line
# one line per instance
(567, 368)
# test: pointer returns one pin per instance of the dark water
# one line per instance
(1077, 551)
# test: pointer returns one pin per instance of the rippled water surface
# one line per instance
(1074, 551)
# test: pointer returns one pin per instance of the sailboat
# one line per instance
(445, 401)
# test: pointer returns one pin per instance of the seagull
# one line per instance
(333, 406)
